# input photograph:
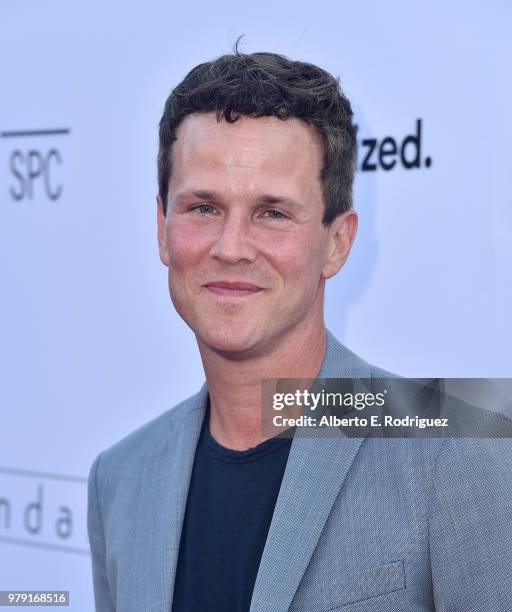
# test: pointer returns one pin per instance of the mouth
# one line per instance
(237, 289)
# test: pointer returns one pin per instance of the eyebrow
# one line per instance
(261, 199)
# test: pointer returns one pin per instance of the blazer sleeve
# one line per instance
(102, 595)
(471, 525)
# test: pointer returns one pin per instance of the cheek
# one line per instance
(298, 258)
(186, 244)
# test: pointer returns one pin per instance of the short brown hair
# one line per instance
(267, 84)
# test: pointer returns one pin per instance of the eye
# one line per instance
(204, 209)
(275, 214)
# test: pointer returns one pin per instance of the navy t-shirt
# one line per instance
(230, 504)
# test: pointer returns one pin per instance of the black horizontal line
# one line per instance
(51, 132)
(56, 547)
(34, 474)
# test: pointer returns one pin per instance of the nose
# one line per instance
(234, 244)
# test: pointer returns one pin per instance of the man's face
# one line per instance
(247, 252)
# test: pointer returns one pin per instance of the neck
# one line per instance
(234, 385)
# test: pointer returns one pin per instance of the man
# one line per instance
(197, 510)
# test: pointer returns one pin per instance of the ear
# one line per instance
(342, 233)
(161, 233)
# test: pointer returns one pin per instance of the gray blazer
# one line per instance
(360, 524)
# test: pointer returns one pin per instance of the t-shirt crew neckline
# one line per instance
(222, 453)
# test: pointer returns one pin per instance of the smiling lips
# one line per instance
(232, 289)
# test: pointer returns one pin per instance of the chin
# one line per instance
(235, 340)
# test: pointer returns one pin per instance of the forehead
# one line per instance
(252, 149)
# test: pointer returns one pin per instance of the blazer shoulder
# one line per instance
(151, 435)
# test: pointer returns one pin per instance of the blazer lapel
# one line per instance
(317, 466)
(165, 482)
(316, 469)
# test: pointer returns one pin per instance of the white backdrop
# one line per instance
(90, 347)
